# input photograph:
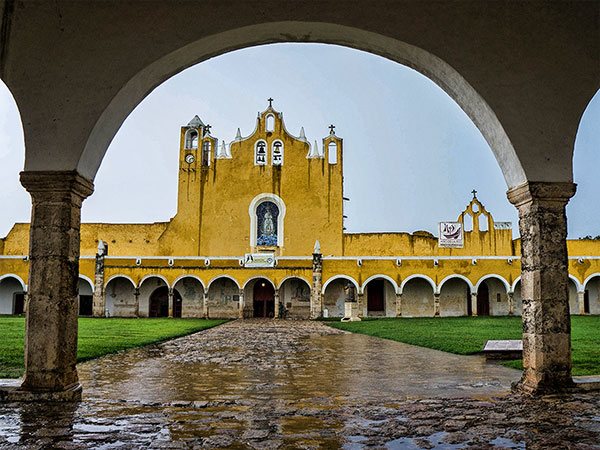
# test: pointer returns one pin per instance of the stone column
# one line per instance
(241, 305)
(205, 304)
(581, 302)
(474, 303)
(511, 303)
(316, 298)
(544, 285)
(398, 304)
(171, 302)
(360, 300)
(99, 294)
(276, 300)
(54, 240)
(136, 294)
(436, 305)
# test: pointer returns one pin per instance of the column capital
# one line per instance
(57, 181)
(558, 193)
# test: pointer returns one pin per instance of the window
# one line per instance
(332, 152)
(267, 214)
(191, 139)
(206, 147)
(277, 153)
(270, 123)
(260, 153)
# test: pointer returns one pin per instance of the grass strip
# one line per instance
(467, 335)
(97, 337)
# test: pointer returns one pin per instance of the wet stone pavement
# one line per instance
(292, 384)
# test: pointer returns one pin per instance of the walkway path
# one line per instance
(296, 384)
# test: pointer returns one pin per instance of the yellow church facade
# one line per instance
(240, 245)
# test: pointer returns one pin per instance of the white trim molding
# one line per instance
(460, 277)
(337, 277)
(418, 275)
(383, 277)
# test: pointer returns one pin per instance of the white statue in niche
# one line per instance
(268, 226)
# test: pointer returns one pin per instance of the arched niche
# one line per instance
(223, 298)
(191, 290)
(294, 293)
(119, 297)
(417, 297)
(455, 297)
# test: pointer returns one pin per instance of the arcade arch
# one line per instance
(591, 292)
(380, 296)
(191, 289)
(223, 297)
(120, 294)
(455, 296)
(86, 296)
(12, 294)
(418, 296)
(294, 294)
(137, 77)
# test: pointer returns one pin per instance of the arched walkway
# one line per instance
(192, 296)
(12, 295)
(119, 296)
(492, 296)
(223, 298)
(159, 303)
(380, 297)
(86, 297)
(147, 286)
(592, 295)
(417, 297)
(336, 290)
(455, 298)
(294, 294)
(263, 298)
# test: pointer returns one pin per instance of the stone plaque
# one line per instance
(259, 260)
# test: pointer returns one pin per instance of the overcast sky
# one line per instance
(411, 155)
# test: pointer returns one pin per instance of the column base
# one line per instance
(11, 391)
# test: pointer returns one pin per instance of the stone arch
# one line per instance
(493, 275)
(577, 283)
(86, 295)
(418, 296)
(335, 295)
(163, 67)
(591, 293)
(385, 277)
(517, 297)
(418, 275)
(514, 284)
(12, 294)
(455, 296)
(222, 276)
(258, 277)
(146, 287)
(254, 204)
(452, 276)
(380, 295)
(223, 297)
(294, 294)
(119, 296)
(191, 289)
(192, 137)
(337, 277)
(574, 289)
(153, 275)
(492, 295)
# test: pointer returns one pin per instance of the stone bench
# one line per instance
(503, 349)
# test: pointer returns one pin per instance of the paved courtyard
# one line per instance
(296, 384)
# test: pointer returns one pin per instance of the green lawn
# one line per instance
(467, 335)
(97, 337)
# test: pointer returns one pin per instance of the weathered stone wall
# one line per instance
(120, 298)
(334, 298)
(453, 298)
(518, 300)
(192, 296)
(223, 299)
(8, 288)
(417, 299)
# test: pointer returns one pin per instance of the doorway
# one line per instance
(375, 296)
(483, 300)
(159, 303)
(264, 299)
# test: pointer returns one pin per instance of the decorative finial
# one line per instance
(474, 192)
(238, 135)
(331, 129)
(317, 247)
(302, 134)
(101, 247)
(270, 100)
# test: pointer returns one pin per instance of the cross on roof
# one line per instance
(474, 192)
(207, 128)
(331, 128)
(270, 100)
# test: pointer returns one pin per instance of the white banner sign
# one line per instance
(259, 260)
(451, 235)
